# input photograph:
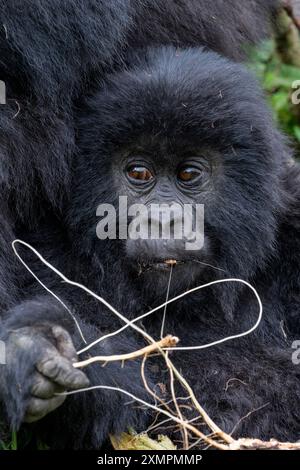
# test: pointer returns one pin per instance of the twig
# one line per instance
(287, 37)
(234, 379)
(165, 308)
(212, 425)
(168, 341)
(179, 413)
(151, 392)
(156, 345)
(293, 9)
(153, 407)
(170, 365)
(198, 441)
(161, 423)
(257, 444)
(247, 416)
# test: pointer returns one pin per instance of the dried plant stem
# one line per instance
(179, 413)
(257, 444)
(166, 342)
(153, 394)
(154, 343)
(162, 346)
(176, 419)
(210, 423)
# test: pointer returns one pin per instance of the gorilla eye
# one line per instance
(139, 173)
(188, 173)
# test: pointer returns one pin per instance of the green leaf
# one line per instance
(296, 131)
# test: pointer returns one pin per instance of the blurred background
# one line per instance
(277, 65)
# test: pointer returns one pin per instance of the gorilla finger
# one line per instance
(39, 408)
(61, 371)
(64, 343)
(44, 388)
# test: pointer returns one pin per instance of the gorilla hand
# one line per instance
(49, 350)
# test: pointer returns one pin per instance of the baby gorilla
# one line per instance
(192, 128)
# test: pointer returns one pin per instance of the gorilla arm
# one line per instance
(39, 337)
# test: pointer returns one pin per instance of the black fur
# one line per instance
(51, 53)
(166, 100)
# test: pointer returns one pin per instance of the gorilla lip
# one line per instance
(163, 264)
(170, 262)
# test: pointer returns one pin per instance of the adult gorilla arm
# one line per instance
(39, 336)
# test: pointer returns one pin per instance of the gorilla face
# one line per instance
(188, 128)
(157, 172)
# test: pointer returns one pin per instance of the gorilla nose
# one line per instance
(158, 236)
(163, 222)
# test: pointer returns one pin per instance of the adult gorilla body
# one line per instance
(166, 109)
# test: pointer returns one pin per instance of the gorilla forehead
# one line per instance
(177, 95)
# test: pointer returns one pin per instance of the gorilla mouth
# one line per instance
(161, 265)
(166, 265)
